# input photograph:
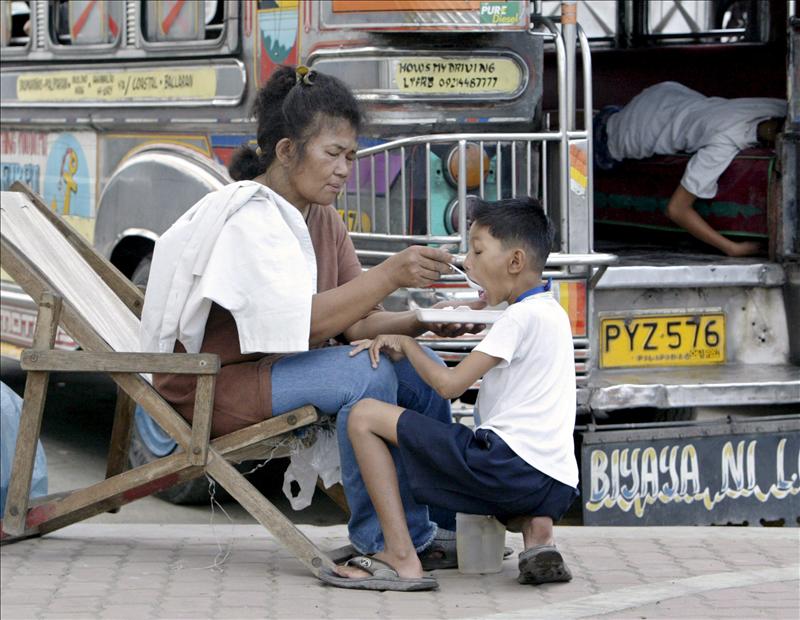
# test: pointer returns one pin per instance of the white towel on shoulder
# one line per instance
(245, 248)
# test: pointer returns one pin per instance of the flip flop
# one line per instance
(382, 577)
(542, 564)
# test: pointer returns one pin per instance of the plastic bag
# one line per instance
(10, 414)
(320, 459)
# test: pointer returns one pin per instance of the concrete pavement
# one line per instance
(224, 570)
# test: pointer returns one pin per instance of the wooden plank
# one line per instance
(113, 492)
(130, 295)
(30, 423)
(336, 493)
(267, 429)
(201, 420)
(108, 494)
(120, 441)
(267, 515)
(82, 361)
(54, 512)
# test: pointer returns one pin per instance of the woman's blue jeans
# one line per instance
(333, 382)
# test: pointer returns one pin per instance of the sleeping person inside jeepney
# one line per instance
(263, 273)
(670, 118)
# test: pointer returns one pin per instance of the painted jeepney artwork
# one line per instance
(69, 175)
(60, 166)
(278, 35)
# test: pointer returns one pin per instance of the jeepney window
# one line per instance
(176, 20)
(701, 21)
(15, 23)
(598, 19)
(85, 22)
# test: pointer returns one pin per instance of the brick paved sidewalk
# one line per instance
(155, 571)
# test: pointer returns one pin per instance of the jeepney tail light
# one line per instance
(475, 154)
(571, 294)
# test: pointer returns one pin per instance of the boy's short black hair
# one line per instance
(517, 221)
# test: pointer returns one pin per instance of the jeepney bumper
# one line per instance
(758, 300)
(667, 388)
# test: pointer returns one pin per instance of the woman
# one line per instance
(307, 131)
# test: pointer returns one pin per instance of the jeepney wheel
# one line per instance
(149, 442)
(676, 414)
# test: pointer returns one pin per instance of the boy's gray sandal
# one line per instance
(439, 555)
(542, 564)
(382, 577)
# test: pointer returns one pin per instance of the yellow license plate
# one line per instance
(662, 340)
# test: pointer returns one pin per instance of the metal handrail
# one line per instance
(506, 143)
(468, 137)
(586, 60)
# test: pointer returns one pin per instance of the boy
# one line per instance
(670, 118)
(519, 463)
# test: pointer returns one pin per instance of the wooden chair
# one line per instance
(78, 289)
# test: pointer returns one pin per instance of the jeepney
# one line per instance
(108, 107)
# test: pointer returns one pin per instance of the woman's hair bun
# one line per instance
(245, 164)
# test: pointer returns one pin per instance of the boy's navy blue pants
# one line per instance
(474, 472)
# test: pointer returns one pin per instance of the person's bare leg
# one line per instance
(680, 210)
(535, 530)
(370, 425)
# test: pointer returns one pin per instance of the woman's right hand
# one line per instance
(418, 266)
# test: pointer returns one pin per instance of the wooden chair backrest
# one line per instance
(33, 234)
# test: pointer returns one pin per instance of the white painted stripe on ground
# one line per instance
(638, 596)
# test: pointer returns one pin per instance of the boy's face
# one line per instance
(487, 264)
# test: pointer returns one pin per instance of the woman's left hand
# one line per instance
(390, 344)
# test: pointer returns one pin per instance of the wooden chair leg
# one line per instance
(336, 493)
(201, 421)
(266, 514)
(120, 442)
(30, 423)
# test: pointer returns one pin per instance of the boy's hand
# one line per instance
(390, 344)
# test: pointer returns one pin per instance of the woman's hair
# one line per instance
(295, 103)
(517, 221)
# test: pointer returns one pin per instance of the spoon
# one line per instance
(472, 285)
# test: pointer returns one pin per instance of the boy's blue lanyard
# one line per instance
(544, 288)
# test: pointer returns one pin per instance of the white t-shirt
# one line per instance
(671, 118)
(528, 399)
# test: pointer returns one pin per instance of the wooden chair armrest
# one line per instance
(82, 361)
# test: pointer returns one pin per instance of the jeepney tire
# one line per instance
(676, 414)
(188, 493)
(191, 493)
(142, 271)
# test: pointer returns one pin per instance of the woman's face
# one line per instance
(324, 166)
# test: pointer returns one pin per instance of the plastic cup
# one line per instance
(480, 542)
